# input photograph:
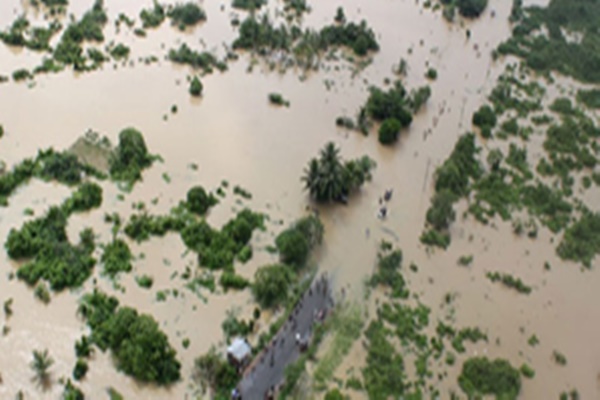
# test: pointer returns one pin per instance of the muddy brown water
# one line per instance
(233, 133)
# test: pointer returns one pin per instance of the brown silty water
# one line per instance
(233, 133)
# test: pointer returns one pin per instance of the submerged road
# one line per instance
(267, 369)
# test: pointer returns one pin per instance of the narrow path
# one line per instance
(267, 369)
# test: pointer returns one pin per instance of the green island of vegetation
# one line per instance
(140, 348)
(480, 376)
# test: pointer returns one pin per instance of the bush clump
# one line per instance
(248, 4)
(188, 14)
(130, 157)
(480, 376)
(271, 284)
(389, 130)
(116, 258)
(196, 87)
(139, 347)
(278, 100)
(581, 241)
(198, 201)
(152, 18)
(204, 61)
(295, 243)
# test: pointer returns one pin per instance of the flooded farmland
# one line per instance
(232, 133)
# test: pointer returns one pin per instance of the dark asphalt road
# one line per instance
(268, 367)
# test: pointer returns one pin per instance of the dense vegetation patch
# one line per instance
(187, 14)
(328, 178)
(198, 201)
(394, 108)
(139, 347)
(250, 5)
(204, 61)
(69, 50)
(480, 376)
(259, 34)
(153, 17)
(116, 258)
(453, 180)
(271, 284)
(53, 258)
(581, 241)
(570, 45)
(130, 157)
(295, 243)
(509, 281)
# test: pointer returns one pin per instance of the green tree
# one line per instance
(271, 284)
(196, 87)
(441, 213)
(334, 394)
(130, 157)
(293, 247)
(198, 201)
(480, 376)
(389, 130)
(42, 361)
(471, 8)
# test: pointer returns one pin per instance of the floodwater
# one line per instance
(233, 133)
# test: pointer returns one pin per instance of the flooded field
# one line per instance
(232, 133)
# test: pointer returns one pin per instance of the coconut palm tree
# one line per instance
(42, 361)
(312, 177)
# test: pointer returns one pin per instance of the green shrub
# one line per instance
(293, 247)
(21, 74)
(80, 369)
(431, 74)
(140, 348)
(230, 280)
(435, 238)
(278, 100)
(198, 201)
(591, 98)
(271, 283)
(130, 157)
(559, 358)
(144, 281)
(119, 52)
(509, 281)
(187, 14)
(152, 18)
(116, 258)
(527, 371)
(484, 117)
(334, 394)
(391, 104)
(212, 370)
(480, 376)
(196, 87)
(41, 292)
(204, 61)
(248, 4)
(441, 212)
(87, 196)
(389, 130)
(471, 8)
(581, 241)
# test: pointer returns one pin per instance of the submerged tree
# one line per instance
(328, 178)
(42, 361)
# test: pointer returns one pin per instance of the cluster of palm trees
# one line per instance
(329, 178)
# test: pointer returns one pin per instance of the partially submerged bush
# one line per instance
(196, 87)
(187, 14)
(130, 157)
(152, 18)
(480, 376)
(140, 348)
(271, 284)
(198, 201)
(389, 130)
(116, 258)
